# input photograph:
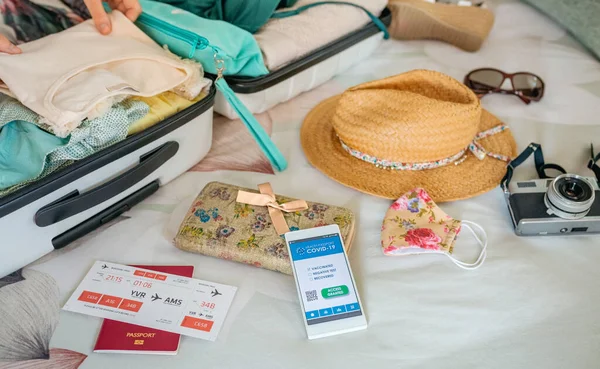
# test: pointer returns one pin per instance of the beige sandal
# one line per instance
(463, 26)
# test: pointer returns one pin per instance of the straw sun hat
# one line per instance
(417, 129)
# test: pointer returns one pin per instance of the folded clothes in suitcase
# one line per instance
(259, 94)
(73, 201)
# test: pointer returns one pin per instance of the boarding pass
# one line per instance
(168, 302)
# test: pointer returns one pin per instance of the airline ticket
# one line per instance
(168, 302)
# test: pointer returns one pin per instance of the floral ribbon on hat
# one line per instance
(474, 147)
(266, 197)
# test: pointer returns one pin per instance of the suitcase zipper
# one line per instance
(198, 43)
(195, 41)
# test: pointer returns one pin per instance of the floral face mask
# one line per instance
(414, 224)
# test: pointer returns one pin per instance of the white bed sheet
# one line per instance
(533, 304)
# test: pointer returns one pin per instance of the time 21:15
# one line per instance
(113, 278)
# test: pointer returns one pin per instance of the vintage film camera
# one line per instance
(566, 205)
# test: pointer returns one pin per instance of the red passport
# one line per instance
(118, 337)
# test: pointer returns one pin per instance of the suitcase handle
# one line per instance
(75, 203)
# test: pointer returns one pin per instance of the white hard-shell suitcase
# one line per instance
(51, 213)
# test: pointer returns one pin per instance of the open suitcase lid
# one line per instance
(61, 177)
(78, 169)
(248, 85)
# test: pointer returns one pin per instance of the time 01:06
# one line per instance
(143, 284)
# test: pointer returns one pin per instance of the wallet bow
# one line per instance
(266, 197)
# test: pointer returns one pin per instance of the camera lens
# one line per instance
(569, 196)
(574, 189)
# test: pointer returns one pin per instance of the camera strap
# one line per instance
(540, 164)
(592, 164)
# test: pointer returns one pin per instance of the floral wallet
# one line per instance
(217, 225)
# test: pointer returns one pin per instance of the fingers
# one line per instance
(132, 9)
(7, 47)
(117, 5)
(99, 15)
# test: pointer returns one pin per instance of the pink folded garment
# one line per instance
(283, 40)
(79, 73)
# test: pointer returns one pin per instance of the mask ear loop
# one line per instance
(483, 243)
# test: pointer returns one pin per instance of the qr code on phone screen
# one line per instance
(311, 295)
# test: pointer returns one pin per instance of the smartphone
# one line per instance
(326, 288)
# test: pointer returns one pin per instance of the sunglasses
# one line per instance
(526, 86)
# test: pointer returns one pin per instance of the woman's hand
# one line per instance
(8, 47)
(131, 9)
